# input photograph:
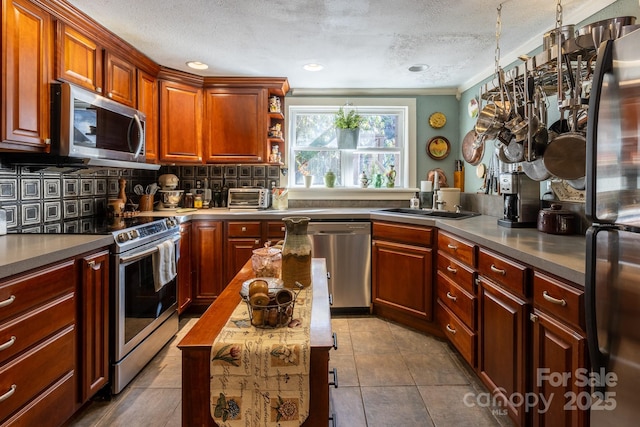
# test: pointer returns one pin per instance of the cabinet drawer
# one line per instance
(36, 370)
(462, 275)
(275, 229)
(459, 335)
(403, 233)
(503, 271)
(244, 229)
(460, 302)
(28, 291)
(26, 330)
(559, 299)
(458, 249)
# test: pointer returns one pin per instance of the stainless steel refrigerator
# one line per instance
(612, 283)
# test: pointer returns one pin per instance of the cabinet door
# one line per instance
(78, 58)
(94, 323)
(402, 278)
(207, 256)
(558, 354)
(27, 38)
(149, 105)
(502, 351)
(239, 251)
(235, 125)
(180, 122)
(185, 269)
(120, 80)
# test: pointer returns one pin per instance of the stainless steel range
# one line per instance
(144, 315)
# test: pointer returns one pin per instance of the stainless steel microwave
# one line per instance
(94, 128)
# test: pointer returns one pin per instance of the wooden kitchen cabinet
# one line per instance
(242, 238)
(78, 58)
(207, 258)
(180, 122)
(94, 321)
(185, 269)
(120, 79)
(457, 308)
(502, 347)
(27, 35)
(234, 125)
(38, 325)
(402, 273)
(149, 104)
(559, 348)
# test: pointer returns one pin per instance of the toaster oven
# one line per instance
(249, 198)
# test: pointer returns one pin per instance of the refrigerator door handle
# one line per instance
(604, 65)
(599, 360)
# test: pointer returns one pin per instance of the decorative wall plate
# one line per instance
(438, 147)
(437, 120)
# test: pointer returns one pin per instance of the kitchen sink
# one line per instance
(431, 213)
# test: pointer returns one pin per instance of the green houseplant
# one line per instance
(347, 128)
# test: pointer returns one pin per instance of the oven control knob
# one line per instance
(122, 237)
(134, 234)
(171, 223)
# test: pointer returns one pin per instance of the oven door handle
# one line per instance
(139, 255)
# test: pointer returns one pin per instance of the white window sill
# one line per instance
(350, 193)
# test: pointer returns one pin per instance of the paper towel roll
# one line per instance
(426, 186)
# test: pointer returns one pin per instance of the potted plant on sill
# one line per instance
(347, 128)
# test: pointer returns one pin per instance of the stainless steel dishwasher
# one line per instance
(346, 246)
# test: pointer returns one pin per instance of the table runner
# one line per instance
(260, 377)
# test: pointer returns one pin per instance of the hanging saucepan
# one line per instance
(490, 120)
(472, 148)
(535, 170)
(566, 156)
(514, 151)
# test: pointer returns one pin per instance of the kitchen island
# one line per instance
(196, 350)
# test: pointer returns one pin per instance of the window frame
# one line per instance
(407, 151)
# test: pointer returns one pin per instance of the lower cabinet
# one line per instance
(185, 269)
(502, 355)
(402, 272)
(242, 238)
(207, 250)
(94, 323)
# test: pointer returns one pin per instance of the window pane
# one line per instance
(375, 163)
(315, 130)
(316, 163)
(379, 131)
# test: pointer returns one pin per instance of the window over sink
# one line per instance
(386, 139)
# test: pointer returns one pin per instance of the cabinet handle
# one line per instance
(92, 264)
(334, 419)
(8, 301)
(243, 229)
(334, 372)
(451, 269)
(330, 299)
(8, 343)
(9, 393)
(450, 329)
(110, 95)
(99, 89)
(452, 247)
(451, 297)
(283, 229)
(257, 241)
(497, 270)
(553, 300)
(335, 341)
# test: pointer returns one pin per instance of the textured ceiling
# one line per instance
(361, 43)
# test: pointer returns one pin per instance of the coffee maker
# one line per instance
(521, 200)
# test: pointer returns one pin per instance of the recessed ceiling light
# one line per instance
(313, 67)
(418, 68)
(197, 65)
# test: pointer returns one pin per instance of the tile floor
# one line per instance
(388, 375)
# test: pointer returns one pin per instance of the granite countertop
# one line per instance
(22, 252)
(563, 256)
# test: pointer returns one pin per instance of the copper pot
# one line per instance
(555, 220)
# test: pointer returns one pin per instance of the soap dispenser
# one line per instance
(414, 203)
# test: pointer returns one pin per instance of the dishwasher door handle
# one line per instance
(331, 233)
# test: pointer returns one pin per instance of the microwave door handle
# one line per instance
(139, 255)
(137, 121)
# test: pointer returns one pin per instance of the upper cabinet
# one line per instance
(120, 79)
(235, 125)
(149, 104)
(180, 122)
(26, 71)
(78, 58)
